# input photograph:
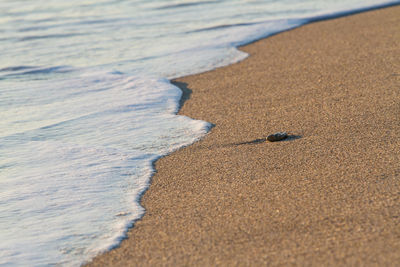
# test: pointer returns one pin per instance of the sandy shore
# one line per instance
(328, 196)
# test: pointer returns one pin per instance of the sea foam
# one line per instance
(73, 170)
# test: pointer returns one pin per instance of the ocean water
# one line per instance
(86, 107)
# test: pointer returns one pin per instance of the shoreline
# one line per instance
(230, 151)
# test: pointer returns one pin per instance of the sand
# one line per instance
(330, 195)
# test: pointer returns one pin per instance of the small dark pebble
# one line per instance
(277, 136)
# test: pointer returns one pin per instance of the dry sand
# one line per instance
(328, 196)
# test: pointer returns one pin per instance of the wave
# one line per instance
(181, 5)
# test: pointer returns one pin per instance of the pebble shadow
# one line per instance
(291, 137)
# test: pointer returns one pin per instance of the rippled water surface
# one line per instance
(86, 107)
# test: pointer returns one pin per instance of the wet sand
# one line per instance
(329, 195)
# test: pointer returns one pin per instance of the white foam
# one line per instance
(83, 158)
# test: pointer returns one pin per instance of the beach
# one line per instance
(328, 195)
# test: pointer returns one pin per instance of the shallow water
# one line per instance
(86, 107)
